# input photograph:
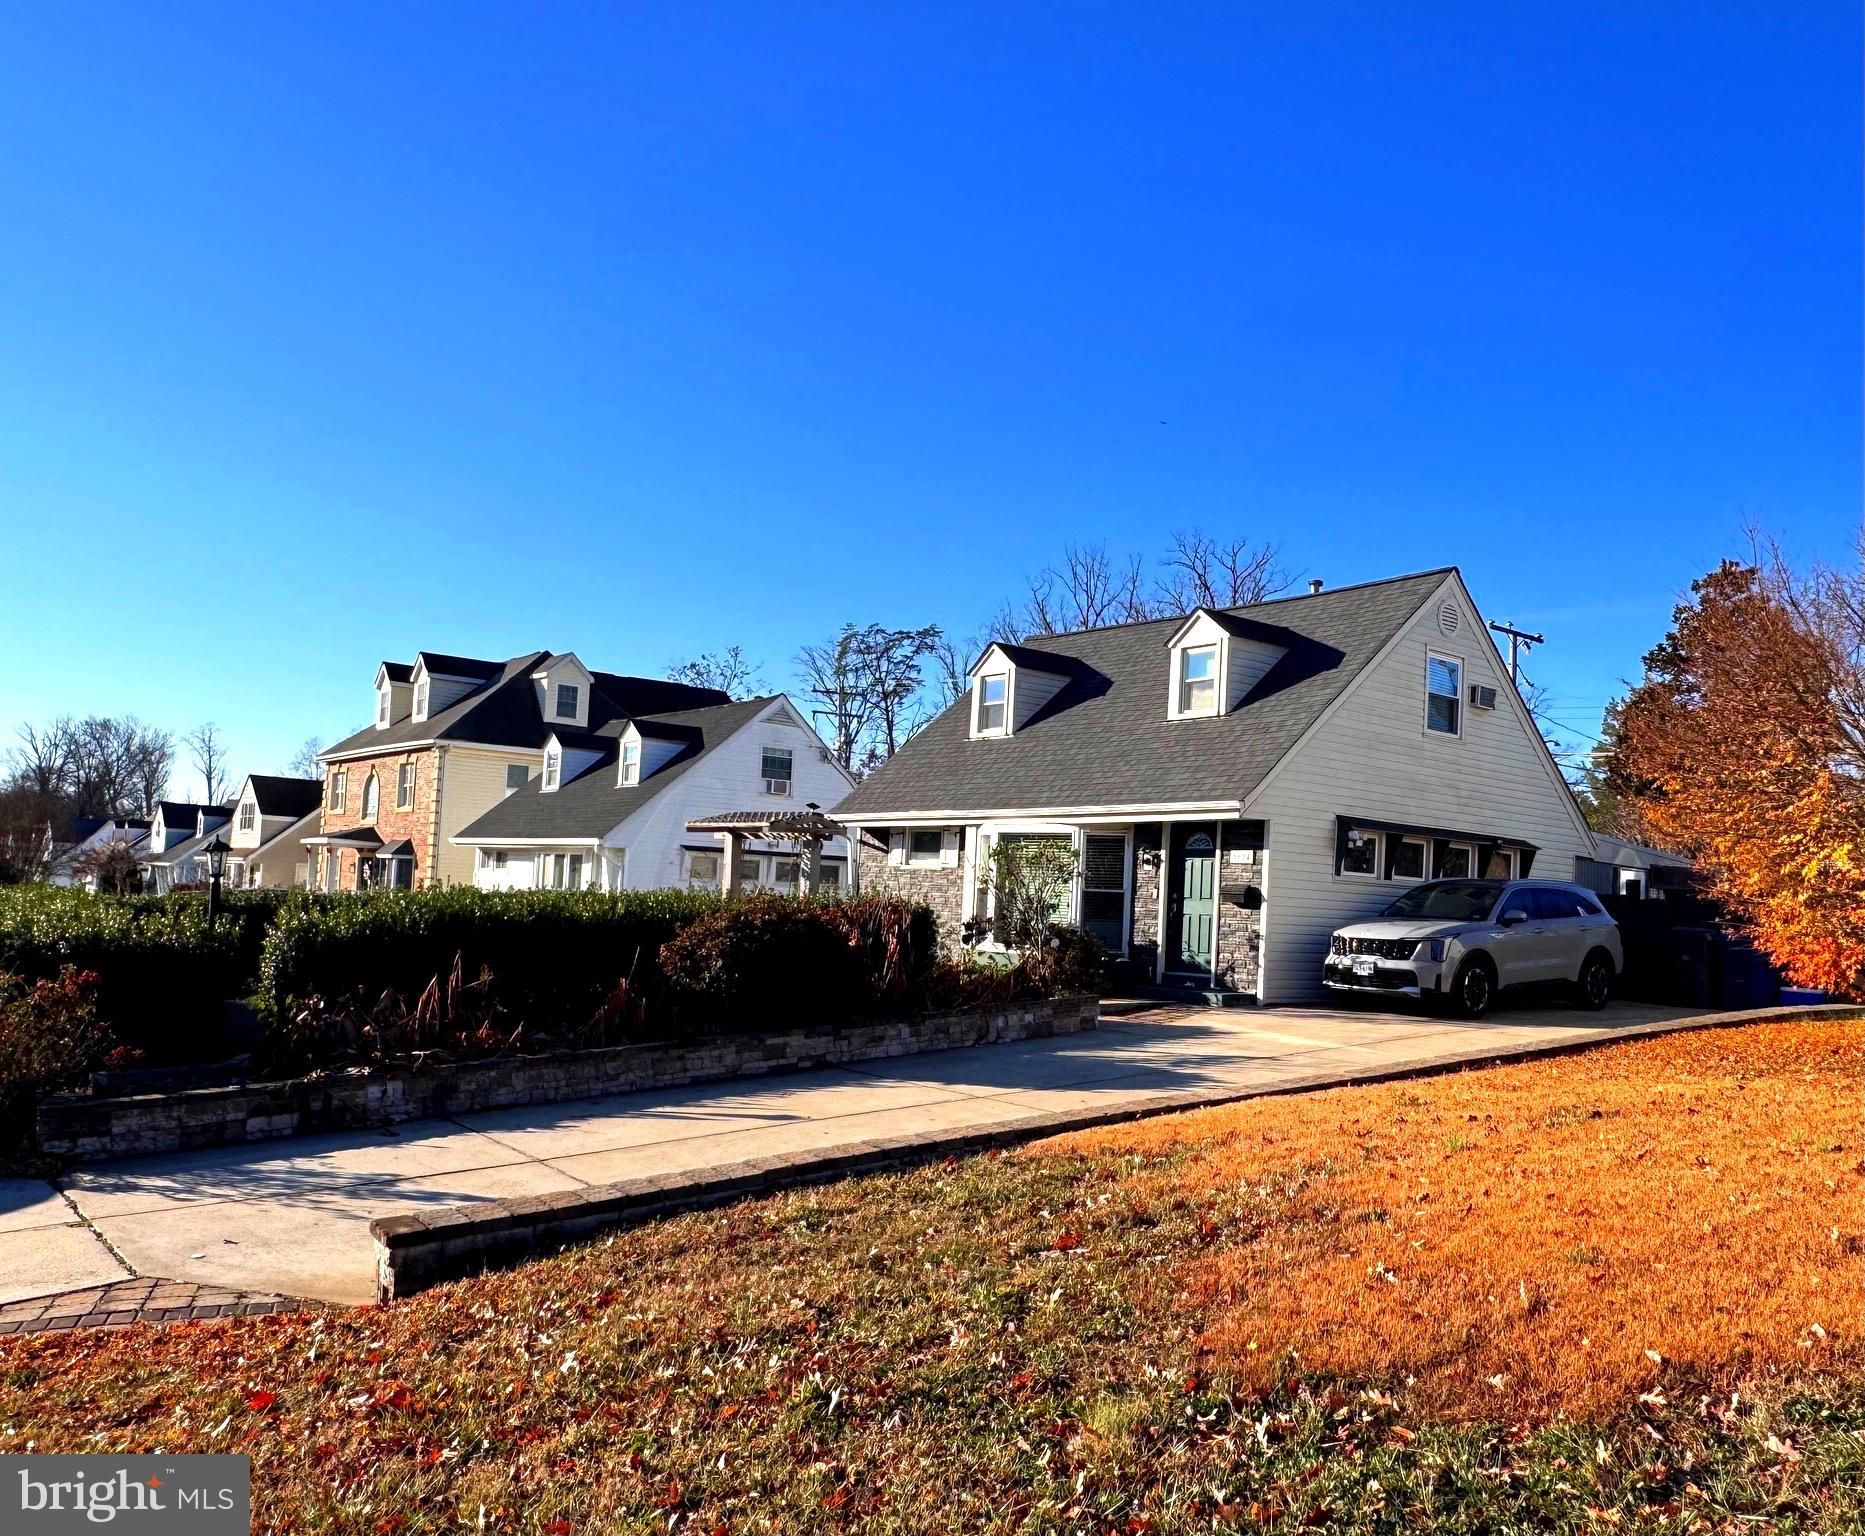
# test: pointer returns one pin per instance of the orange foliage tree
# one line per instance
(1744, 746)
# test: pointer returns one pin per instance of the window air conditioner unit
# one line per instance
(1482, 697)
(776, 786)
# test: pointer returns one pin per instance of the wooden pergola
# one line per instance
(808, 829)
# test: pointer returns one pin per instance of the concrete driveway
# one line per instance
(292, 1217)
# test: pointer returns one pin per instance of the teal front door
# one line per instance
(1190, 909)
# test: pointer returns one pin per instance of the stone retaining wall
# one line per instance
(88, 1129)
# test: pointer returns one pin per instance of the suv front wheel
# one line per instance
(1474, 988)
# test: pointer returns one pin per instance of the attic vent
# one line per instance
(1449, 618)
(780, 716)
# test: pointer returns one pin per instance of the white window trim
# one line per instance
(576, 700)
(1379, 856)
(1433, 654)
(404, 770)
(987, 834)
(631, 771)
(978, 727)
(339, 788)
(1469, 848)
(767, 780)
(911, 860)
(1126, 875)
(1514, 856)
(249, 817)
(365, 810)
(420, 699)
(1178, 711)
(1424, 864)
(382, 709)
(553, 770)
(711, 882)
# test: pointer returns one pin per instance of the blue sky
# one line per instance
(331, 333)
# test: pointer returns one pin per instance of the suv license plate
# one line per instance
(1363, 965)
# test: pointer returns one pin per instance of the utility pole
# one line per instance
(1520, 640)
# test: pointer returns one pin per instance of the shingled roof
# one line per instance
(276, 795)
(593, 803)
(1104, 739)
(503, 710)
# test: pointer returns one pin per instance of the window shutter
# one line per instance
(896, 847)
(948, 848)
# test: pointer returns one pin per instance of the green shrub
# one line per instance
(162, 977)
(555, 959)
(1066, 962)
(50, 1038)
(247, 914)
(766, 962)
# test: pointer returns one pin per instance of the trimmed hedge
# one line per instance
(162, 978)
(555, 957)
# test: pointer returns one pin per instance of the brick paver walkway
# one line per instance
(136, 1301)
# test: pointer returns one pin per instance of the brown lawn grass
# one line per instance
(1554, 1237)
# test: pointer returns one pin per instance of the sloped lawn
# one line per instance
(1617, 1291)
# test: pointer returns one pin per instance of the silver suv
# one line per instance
(1460, 942)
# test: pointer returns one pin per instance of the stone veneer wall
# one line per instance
(90, 1128)
(1239, 928)
(941, 889)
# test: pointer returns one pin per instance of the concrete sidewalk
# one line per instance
(292, 1217)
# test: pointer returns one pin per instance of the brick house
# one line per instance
(451, 737)
(1234, 784)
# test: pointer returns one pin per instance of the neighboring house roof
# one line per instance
(1105, 740)
(186, 850)
(78, 828)
(293, 833)
(276, 795)
(1619, 851)
(503, 710)
(593, 803)
(177, 813)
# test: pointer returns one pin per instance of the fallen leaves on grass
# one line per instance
(1557, 1236)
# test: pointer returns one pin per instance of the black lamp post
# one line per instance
(216, 867)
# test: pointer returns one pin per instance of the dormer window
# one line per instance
(993, 702)
(553, 768)
(420, 699)
(567, 694)
(382, 707)
(631, 762)
(1198, 680)
(248, 816)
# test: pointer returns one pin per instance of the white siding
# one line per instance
(1373, 757)
(1249, 663)
(472, 782)
(727, 779)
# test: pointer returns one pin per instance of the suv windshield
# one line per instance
(1456, 901)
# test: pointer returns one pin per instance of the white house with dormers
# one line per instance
(610, 806)
(1233, 784)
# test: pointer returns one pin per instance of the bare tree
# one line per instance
(209, 757)
(1090, 588)
(729, 671)
(152, 760)
(834, 679)
(952, 661)
(304, 764)
(98, 766)
(1204, 573)
(42, 760)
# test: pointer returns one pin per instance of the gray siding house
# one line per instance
(1236, 783)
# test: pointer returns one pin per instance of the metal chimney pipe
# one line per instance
(1314, 585)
